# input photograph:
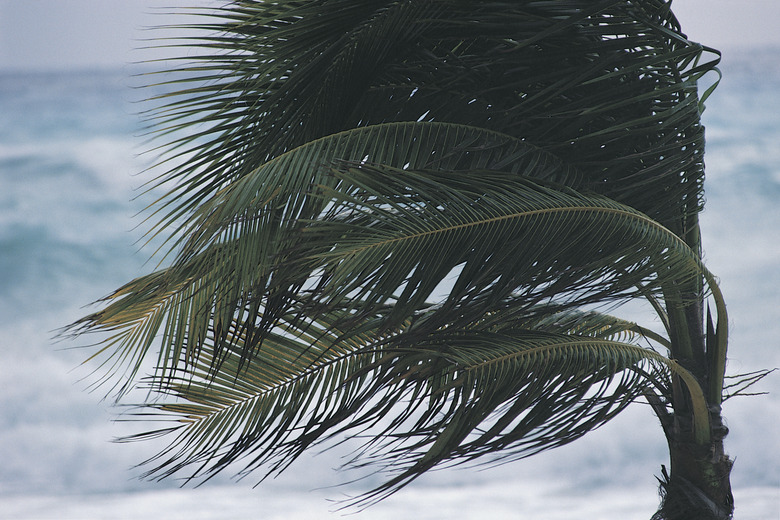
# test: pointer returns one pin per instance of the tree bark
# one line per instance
(698, 486)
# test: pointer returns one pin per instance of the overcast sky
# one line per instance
(56, 34)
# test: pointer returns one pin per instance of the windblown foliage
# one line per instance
(398, 217)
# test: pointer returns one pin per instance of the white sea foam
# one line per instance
(114, 161)
(528, 499)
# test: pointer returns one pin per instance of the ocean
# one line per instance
(71, 148)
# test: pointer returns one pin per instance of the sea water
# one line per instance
(70, 152)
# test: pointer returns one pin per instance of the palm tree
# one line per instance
(408, 220)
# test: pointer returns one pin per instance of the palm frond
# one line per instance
(421, 401)
(236, 256)
(402, 233)
(608, 85)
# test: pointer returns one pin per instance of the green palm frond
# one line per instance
(570, 321)
(609, 85)
(403, 233)
(421, 401)
(218, 275)
(399, 237)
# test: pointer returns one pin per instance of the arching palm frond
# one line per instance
(610, 85)
(404, 232)
(505, 391)
(239, 243)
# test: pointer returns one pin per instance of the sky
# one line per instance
(58, 34)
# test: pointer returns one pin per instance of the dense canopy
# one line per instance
(405, 219)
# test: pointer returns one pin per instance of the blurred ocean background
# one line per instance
(70, 149)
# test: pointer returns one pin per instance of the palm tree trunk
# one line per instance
(697, 487)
